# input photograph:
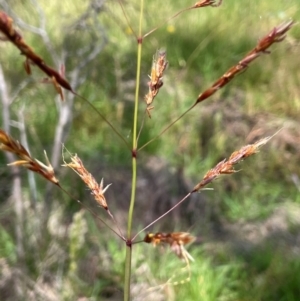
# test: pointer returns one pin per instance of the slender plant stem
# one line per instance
(141, 128)
(132, 200)
(166, 21)
(93, 213)
(103, 118)
(167, 128)
(126, 17)
(163, 215)
(134, 163)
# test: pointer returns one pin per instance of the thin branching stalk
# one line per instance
(163, 215)
(127, 20)
(175, 240)
(104, 119)
(276, 35)
(134, 162)
(93, 213)
(198, 4)
(32, 58)
(224, 167)
(166, 128)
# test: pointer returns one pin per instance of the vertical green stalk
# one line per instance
(134, 163)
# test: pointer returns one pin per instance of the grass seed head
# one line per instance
(227, 166)
(12, 35)
(276, 35)
(96, 189)
(159, 65)
(204, 3)
(7, 143)
(176, 241)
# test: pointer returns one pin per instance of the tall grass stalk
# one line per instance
(176, 240)
(134, 161)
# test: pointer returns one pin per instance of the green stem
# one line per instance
(134, 163)
(127, 273)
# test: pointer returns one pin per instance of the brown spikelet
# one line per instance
(97, 190)
(274, 36)
(8, 144)
(159, 65)
(12, 35)
(227, 166)
(176, 240)
(204, 3)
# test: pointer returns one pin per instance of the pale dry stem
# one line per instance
(7, 143)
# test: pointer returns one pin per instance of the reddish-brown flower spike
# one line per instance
(175, 240)
(97, 190)
(7, 143)
(204, 3)
(12, 35)
(159, 65)
(276, 35)
(227, 166)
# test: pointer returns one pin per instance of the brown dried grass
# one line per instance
(8, 144)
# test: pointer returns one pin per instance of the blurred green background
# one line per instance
(247, 228)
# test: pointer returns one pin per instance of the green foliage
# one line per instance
(270, 277)
(78, 229)
(7, 246)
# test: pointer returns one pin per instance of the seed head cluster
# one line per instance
(12, 35)
(227, 166)
(176, 240)
(8, 144)
(276, 35)
(96, 189)
(159, 65)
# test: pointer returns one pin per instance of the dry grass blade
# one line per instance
(276, 35)
(97, 190)
(159, 65)
(8, 144)
(227, 166)
(12, 35)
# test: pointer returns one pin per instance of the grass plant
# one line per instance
(138, 127)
